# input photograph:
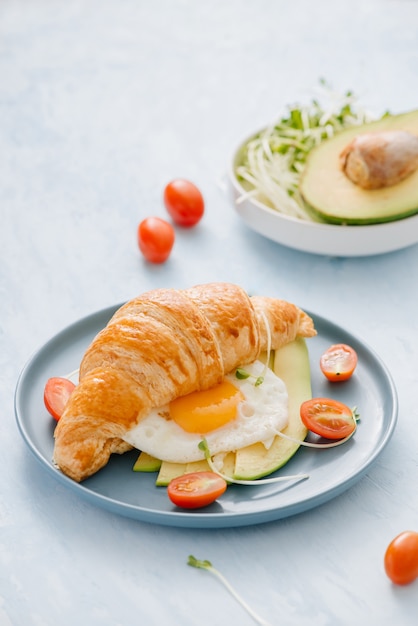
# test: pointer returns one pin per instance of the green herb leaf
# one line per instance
(203, 445)
(194, 562)
(241, 374)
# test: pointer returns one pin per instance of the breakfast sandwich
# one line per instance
(173, 366)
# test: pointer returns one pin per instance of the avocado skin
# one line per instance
(291, 364)
(333, 198)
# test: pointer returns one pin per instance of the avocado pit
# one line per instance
(380, 159)
(332, 197)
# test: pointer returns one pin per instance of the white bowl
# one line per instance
(318, 238)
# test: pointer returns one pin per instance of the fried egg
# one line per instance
(230, 416)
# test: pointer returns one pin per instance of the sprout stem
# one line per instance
(268, 332)
(309, 444)
(265, 481)
(242, 374)
(207, 565)
(72, 375)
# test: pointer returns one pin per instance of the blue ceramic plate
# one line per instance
(120, 490)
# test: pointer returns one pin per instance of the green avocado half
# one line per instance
(333, 198)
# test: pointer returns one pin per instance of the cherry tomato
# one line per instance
(155, 239)
(184, 202)
(56, 395)
(196, 489)
(401, 558)
(328, 418)
(338, 362)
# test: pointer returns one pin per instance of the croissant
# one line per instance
(161, 345)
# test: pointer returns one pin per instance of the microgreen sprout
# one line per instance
(73, 375)
(273, 161)
(203, 445)
(242, 373)
(207, 565)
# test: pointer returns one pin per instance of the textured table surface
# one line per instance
(101, 104)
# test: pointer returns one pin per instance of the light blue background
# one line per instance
(101, 104)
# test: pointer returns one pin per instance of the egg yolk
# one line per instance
(203, 411)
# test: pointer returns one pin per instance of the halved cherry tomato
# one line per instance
(155, 239)
(56, 395)
(196, 489)
(184, 202)
(401, 558)
(338, 362)
(328, 418)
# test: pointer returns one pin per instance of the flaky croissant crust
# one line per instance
(161, 345)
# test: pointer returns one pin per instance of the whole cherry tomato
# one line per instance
(155, 239)
(401, 558)
(184, 202)
(338, 362)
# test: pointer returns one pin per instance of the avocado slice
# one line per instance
(332, 197)
(168, 471)
(146, 463)
(291, 364)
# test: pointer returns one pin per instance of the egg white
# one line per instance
(259, 417)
